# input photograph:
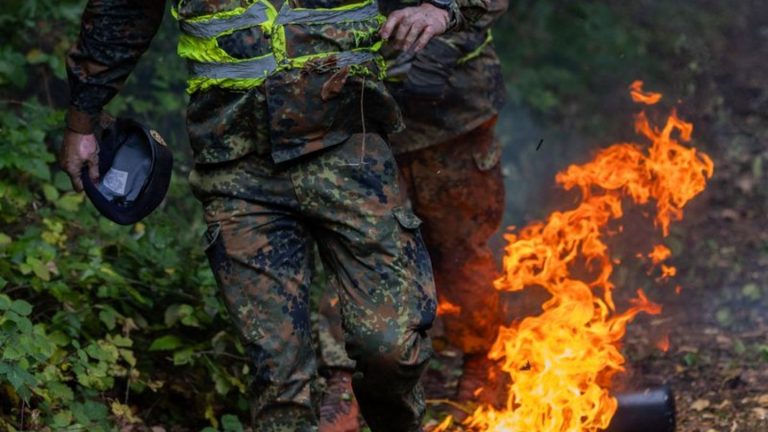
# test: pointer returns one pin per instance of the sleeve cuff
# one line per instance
(81, 122)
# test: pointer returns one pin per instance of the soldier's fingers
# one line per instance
(77, 183)
(415, 33)
(93, 168)
(74, 173)
(393, 20)
(402, 32)
(426, 36)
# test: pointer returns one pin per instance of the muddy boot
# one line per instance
(482, 383)
(339, 410)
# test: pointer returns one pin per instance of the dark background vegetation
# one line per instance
(105, 327)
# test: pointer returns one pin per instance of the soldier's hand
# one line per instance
(77, 151)
(414, 26)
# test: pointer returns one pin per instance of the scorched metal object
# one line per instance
(649, 410)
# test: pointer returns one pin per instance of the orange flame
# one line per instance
(667, 272)
(638, 95)
(659, 254)
(561, 362)
(445, 307)
(663, 344)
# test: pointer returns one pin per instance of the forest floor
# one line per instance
(717, 362)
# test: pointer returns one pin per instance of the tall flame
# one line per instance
(561, 362)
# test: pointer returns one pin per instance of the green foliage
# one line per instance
(100, 325)
(568, 61)
(558, 52)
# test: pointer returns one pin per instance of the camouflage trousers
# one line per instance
(457, 189)
(264, 221)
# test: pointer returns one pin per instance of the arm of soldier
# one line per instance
(113, 36)
(478, 18)
(481, 15)
(412, 27)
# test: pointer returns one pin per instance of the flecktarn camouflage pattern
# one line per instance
(264, 221)
(449, 158)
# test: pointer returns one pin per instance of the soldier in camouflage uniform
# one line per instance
(450, 93)
(287, 120)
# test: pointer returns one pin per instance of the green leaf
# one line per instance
(5, 240)
(69, 202)
(165, 343)
(724, 317)
(5, 302)
(61, 392)
(89, 412)
(13, 353)
(108, 317)
(190, 321)
(231, 423)
(21, 380)
(21, 307)
(39, 268)
(763, 350)
(752, 291)
(128, 356)
(61, 181)
(122, 341)
(690, 359)
(62, 419)
(59, 338)
(50, 192)
(183, 357)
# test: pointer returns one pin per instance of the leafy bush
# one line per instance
(100, 325)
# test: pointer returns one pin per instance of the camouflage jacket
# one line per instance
(475, 91)
(293, 113)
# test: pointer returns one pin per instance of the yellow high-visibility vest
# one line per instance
(286, 31)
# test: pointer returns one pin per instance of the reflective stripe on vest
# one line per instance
(211, 66)
(288, 15)
(253, 16)
(256, 67)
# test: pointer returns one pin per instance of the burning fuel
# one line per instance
(561, 362)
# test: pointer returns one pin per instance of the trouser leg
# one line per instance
(457, 189)
(330, 334)
(369, 239)
(261, 260)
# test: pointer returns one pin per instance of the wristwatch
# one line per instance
(451, 7)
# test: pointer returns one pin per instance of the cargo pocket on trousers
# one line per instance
(410, 245)
(420, 287)
(406, 218)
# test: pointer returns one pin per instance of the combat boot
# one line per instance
(339, 411)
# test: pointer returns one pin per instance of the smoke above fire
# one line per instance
(562, 361)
